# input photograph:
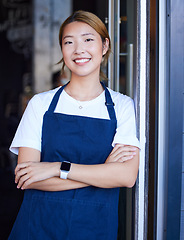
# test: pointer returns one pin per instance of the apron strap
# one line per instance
(109, 103)
(55, 99)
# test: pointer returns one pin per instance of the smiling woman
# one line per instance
(97, 28)
(71, 159)
(83, 49)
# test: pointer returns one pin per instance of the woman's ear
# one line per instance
(105, 46)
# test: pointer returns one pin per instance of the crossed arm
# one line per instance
(119, 170)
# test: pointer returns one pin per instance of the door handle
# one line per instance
(129, 80)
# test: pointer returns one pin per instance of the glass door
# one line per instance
(122, 30)
(122, 27)
(120, 19)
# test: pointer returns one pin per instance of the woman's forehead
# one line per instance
(78, 28)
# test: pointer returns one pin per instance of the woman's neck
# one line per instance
(84, 89)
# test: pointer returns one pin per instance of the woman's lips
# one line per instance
(81, 60)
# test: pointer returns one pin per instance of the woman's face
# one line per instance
(82, 49)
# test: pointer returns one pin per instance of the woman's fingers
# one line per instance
(20, 173)
(20, 166)
(122, 156)
(29, 172)
(125, 158)
(22, 180)
(23, 173)
(121, 153)
(122, 148)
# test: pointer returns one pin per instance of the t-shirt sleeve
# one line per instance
(28, 133)
(126, 124)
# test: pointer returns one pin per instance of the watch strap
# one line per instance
(63, 174)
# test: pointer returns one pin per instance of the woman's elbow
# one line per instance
(129, 182)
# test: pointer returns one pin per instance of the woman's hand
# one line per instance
(121, 153)
(27, 173)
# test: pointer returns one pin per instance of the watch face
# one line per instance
(65, 166)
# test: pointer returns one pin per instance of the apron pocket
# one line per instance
(68, 219)
(89, 221)
(49, 218)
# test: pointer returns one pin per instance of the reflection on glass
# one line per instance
(123, 46)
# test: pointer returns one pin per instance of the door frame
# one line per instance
(141, 100)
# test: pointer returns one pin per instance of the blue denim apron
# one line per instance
(89, 213)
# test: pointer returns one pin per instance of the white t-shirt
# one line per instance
(29, 131)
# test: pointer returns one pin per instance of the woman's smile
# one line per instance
(81, 61)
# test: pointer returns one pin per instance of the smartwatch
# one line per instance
(64, 169)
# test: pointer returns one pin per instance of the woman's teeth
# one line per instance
(82, 60)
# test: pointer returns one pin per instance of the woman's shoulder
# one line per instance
(120, 99)
(44, 98)
(40, 102)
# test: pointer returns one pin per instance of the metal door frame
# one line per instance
(141, 82)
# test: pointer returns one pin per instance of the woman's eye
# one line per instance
(68, 42)
(89, 40)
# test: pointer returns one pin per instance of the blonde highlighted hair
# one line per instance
(93, 21)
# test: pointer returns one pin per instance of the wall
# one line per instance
(175, 76)
(48, 16)
(15, 79)
(170, 209)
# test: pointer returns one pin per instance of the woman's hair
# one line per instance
(93, 21)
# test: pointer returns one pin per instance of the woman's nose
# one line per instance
(79, 48)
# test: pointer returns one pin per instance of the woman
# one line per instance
(67, 166)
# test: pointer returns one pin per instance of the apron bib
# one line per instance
(88, 213)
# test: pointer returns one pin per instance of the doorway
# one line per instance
(119, 17)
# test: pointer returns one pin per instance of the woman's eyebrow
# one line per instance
(83, 34)
(67, 36)
(86, 34)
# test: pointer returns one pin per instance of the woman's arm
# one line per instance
(109, 175)
(114, 173)
(55, 184)
(31, 174)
